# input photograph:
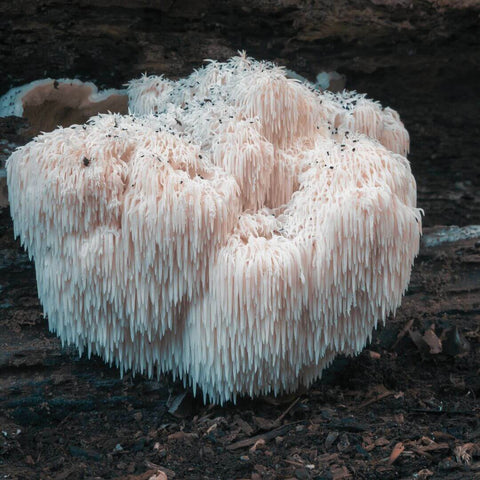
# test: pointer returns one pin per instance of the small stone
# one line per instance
(302, 474)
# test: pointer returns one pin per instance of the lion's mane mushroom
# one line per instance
(238, 229)
(48, 103)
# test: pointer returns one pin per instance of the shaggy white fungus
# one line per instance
(238, 229)
(48, 103)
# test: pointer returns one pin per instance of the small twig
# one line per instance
(65, 420)
(282, 416)
(403, 332)
(376, 399)
(296, 464)
(441, 412)
(264, 436)
(420, 452)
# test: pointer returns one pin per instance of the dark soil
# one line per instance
(64, 417)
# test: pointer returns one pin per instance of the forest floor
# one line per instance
(401, 409)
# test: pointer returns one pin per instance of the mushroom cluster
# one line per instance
(48, 103)
(238, 228)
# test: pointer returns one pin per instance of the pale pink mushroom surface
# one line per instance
(238, 228)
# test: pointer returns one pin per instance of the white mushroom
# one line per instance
(48, 103)
(239, 230)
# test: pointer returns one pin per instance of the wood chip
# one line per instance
(184, 436)
(260, 442)
(434, 446)
(244, 426)
(423, 474)
(169, 473)
(264, 423)
(433, 342)
(159, 476)
(396, 452)
(327, 458)
(381, 442)
(340, 473)
(418, 340)
(330, 440)
(442, 436)
(374, 355)
(265, 436)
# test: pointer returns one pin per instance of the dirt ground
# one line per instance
(406, 408)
